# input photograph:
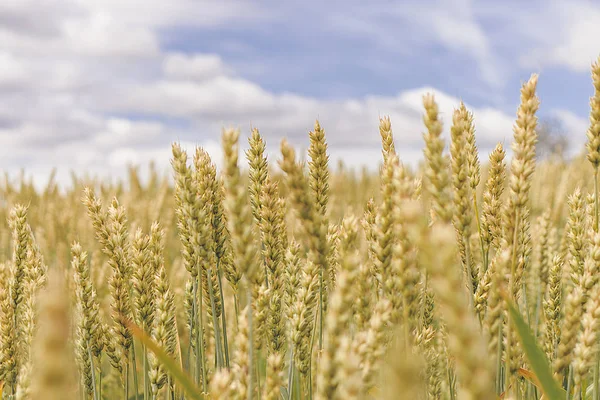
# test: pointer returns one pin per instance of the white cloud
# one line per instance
(199, 13)
(13, 72)
(93, 90)
(198, 67)
(101, 34)
(575, 127)
(560, 34)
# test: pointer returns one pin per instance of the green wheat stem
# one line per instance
(192, 317)
(569, 375)
(100, 380)
(595, 383)
(94, 389)
(499, 362)
(126, 381)
(469, 272)
(321, 305)
(200, 338)
(291, 375)
(223, 318)
(511, 283)
(145, 362)
(251, 342)
(134, 364)
(236, 305)
(258, 374)
(218, 344)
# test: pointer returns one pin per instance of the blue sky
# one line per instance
(93, 86)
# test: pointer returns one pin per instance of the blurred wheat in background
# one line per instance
(271, 279)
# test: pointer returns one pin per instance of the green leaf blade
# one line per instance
(170, 364)
(536, 357)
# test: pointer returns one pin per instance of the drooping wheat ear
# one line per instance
(473, 365)
(553, 308)
(491, 225)
(338, 318)
(273, 229)
(274, 379)
(90, 341)
(164, 330)
(463, 213)
(576, 236)
(259, 169)
(238, 210)
(593, 134)
(52, 376)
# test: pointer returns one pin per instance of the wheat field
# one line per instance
(467, 278)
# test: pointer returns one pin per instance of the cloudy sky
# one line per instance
(96, 85)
